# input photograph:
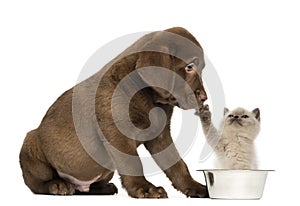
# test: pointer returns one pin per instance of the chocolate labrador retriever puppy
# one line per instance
(95, 127)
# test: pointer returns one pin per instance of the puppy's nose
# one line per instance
(236, 117)
(203, 97)
(173, 101)
(201, 94)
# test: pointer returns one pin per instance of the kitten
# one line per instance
(234, 142)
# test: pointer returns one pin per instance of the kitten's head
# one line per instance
(242, 120)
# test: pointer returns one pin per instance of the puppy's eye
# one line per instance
(230, 116)
(245, 116)
(190, 67)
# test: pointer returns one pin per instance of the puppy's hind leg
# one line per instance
(42, 179)
(38, 175)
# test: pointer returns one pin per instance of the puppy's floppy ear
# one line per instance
(226, 110)
(257, 113)
(152, 67)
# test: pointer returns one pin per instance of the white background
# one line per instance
(254, 46)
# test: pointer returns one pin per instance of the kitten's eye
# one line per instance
(245, 116)
(190, 67)
(230, 115)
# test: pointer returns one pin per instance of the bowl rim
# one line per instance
(254, 170)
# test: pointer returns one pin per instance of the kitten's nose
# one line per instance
(236, 117)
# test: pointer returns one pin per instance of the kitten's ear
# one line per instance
(226, 110)
(257, 113)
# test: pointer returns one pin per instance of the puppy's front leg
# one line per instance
(167, 157)
(130, 168)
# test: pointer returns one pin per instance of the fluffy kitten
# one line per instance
(234, 142)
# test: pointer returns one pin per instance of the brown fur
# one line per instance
(54, 145)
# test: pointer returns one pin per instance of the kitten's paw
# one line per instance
(204, 113)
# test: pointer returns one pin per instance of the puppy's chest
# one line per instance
(140, 109)
(141, 117)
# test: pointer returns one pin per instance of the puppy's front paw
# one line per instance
(195, 189)
(150, 192)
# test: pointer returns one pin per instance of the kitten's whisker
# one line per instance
(239, 123)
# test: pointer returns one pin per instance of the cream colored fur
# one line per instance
(233, 143)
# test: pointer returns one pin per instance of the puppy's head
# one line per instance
(171, 62)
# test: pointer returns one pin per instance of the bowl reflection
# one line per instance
(235, 184)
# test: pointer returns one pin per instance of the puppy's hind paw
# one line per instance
(61, 187)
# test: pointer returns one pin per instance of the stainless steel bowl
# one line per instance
(235, 184)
